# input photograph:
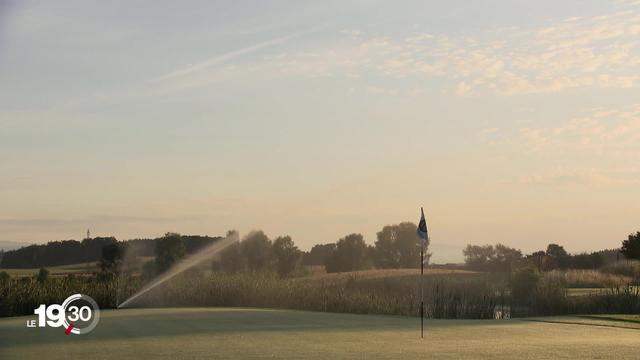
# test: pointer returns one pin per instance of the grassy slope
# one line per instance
(252, 333)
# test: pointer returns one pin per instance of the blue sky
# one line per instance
(509, 121)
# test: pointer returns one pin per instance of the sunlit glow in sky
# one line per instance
(509, 121)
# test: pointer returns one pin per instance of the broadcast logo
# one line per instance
(78, 314)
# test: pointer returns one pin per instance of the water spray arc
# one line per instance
(183, 265)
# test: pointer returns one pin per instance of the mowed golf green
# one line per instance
(240, 333)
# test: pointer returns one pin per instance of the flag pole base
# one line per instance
(422, 320)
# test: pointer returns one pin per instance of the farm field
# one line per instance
(76, 269)
(240, 333)
(87, 268)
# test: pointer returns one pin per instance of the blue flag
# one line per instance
(422, 232)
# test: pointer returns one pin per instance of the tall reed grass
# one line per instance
(587, 278)
(451, 296)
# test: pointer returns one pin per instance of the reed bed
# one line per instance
(447, 295)
(587, 278)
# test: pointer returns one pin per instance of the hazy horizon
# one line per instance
(508, 121)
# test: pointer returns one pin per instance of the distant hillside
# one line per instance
(66, 252)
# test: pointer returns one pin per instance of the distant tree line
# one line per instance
(503, 258)
(396, 246)
(257, 253)
(491, 258)
(66, 252)
(56, 253)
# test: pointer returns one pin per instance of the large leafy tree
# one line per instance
(506, 257)
(351, 253)
(257, 249)
(397, 246)
(318, 254)
(491, 258)
(558, 256)
(287, 255)
(478, 256)
(631, 246)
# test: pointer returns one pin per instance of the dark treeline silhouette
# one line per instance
(350, 253)
(631, 246)
(67, 252)
(317, 255)
(56, 253)
(503, 258)
(396, 246)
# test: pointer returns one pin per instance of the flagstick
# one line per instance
(424, 235)
(422, 293)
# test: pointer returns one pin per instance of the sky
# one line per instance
(512, 122)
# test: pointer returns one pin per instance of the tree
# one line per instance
(318, 254)
(397, 246)
(505, 258)
(631, 247)
(558, 256)
(536, 259)
(286, 254)
(478, 257)
(351, 253)
(233, 235)
(231, 259)
(257, 248)
(169, 249)
(587, 261)
(491, 258)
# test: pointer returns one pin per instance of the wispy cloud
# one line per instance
(600, 146)
(574, 53)
(611, 132)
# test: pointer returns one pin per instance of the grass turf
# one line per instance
(239, 333)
